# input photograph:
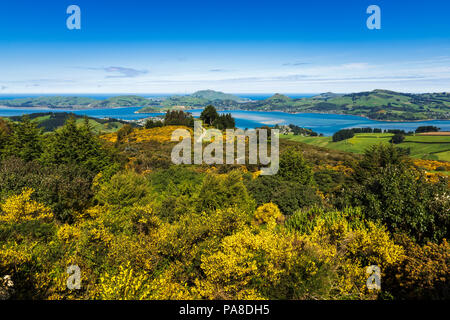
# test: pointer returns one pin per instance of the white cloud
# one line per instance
(431, 74)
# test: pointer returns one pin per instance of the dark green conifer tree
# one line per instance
(25, 140)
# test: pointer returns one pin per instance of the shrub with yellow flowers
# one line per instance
(268, 214)
(263, 264)
(68, 233)
(20, 208)
(125, 284)
(423, 274)
(350, 247)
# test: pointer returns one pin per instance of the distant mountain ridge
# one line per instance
(197, 99)
(377, 104)
(50, 102)
(217, 95)
(328, 95)
(69, 102)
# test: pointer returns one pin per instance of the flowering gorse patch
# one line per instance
(213, 153)
(19, 208)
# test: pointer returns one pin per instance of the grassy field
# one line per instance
(102, 127)
(421, 147)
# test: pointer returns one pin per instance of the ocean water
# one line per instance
(127, 113)
(326, 124)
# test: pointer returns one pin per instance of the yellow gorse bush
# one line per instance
(424, 269)
(350, 250)
(269, 214)
(168, 287)
(431, 165)
(249, 262)
(12, 257)
(127, 284)
(130, 284)
(159, 134)
(20, 208)
(68, 233)
(340, 167)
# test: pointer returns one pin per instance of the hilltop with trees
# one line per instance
(211, 117)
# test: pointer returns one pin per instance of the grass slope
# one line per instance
(51, 121)
(421, 147)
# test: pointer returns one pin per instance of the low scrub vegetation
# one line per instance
(140, 227)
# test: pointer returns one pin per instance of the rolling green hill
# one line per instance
(420, 147)
(51, 121)
(123, 101)
(199, 99)
(50, 102)
(70, 102)
(377, 104)
(212, 95)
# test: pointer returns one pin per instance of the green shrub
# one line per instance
(124, 189)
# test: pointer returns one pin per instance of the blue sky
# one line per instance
(241, 46)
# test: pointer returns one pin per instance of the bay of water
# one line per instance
(326, 124)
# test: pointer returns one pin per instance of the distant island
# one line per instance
(378, 104)
(71, 102)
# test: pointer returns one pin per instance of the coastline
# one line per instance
(62, 108)
(69, 109)
(336, 113)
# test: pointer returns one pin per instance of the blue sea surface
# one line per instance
(126, 113)
(326, 124)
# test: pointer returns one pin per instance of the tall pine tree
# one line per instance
(76, 145)
(25, 140)
(209, 115)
